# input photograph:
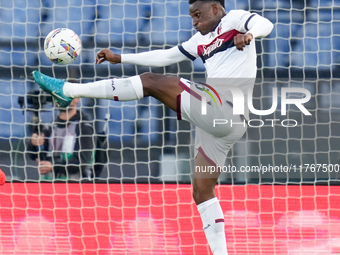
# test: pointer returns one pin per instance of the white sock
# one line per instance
(122, 89)
(213, 225)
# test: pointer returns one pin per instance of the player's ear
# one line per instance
(214, 8)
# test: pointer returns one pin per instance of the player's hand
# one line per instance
(38, 140)
(241, 40)
(44, 166)
(107, 55)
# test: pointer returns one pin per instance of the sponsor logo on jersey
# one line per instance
(207, 49)
(220, 43)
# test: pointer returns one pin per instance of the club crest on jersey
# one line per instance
(219, 29)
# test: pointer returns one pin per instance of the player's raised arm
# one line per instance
(154, 58)
(257, 26)
(260, 26)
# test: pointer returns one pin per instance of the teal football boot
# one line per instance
(52, 86)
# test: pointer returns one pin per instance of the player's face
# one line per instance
(205, 16)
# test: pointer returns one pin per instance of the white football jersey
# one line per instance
(217, 49)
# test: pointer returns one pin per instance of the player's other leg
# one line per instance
(208, 205)
(211, 153)
(164, 88)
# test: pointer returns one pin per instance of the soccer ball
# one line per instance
(62, 46)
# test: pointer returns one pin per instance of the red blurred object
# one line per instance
(2, 177)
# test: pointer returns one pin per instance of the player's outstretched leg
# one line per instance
(52, 86)
(209, 207)
(164, 88)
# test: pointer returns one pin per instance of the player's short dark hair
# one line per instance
(221, 2)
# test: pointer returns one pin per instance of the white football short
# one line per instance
(218, 129)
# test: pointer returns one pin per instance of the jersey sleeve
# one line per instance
(189, 48)
(241, 19)
(155, 58)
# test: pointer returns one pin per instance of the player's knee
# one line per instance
(150, 81)
(202, 192)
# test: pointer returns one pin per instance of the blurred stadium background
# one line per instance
(273, 213)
